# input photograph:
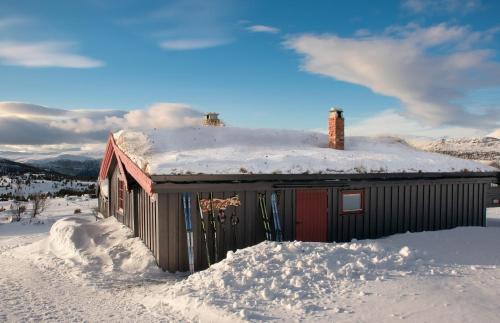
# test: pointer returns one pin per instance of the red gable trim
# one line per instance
(106, 161)
(108, 158)
(124, 162)
(123, 176)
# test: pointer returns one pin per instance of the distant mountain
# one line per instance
(71, 165)
(9, 167)
(485, 149)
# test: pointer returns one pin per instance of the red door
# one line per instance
(311, 212)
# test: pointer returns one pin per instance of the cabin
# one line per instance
(322, 187)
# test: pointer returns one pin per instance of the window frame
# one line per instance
(121, 195)
(361, 192)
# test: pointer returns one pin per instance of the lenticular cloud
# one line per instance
(430, 70)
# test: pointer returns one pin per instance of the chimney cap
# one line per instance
(212, 119)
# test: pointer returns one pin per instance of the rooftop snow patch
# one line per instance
(229, 150)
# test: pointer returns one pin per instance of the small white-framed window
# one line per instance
(352, 202)
(121, 194)
(104, 187)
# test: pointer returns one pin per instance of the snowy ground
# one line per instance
(23, 183)
(88, 270)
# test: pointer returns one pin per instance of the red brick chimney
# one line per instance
(336, 129)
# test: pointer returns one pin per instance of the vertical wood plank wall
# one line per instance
(390, 207)
(397, 208)
(249, 230)
(140, 212)
(147, 227)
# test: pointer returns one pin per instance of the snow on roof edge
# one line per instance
(239, 151)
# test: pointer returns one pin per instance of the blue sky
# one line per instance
(422, 67)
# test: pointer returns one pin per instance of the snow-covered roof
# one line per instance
(230, 150)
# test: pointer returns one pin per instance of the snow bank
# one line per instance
(95, 248)
(288, 274)
(297, 277)
(228, 150)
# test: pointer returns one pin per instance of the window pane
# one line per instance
(351, 202)
(121, 187)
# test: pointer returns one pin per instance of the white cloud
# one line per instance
(263, 29)
(27, 110)
(441, 6)
(23, 153)
(189, 44)
(161, 115)
(44, 54)
(390, 122)
(30, 124)
(428, 69)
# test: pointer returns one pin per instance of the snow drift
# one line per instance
(229, 150)
(291, 270)
(95, 248)
(304, 278)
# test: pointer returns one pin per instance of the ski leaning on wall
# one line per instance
(234, 222)
(276, 218)
(265, 216)
(203, 228)
(186, 203)
(211, 219)
(210, 206)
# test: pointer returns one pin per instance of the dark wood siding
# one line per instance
(140, 211)
(396, 208)
(147, 219)
(391, 206)
(249, 230)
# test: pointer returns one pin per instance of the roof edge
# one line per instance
(280, 177)
(138, 174)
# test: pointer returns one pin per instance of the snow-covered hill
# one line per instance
(71, 165)
(11, 167)
(27, 184)
(485, 149)
(21, 179)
